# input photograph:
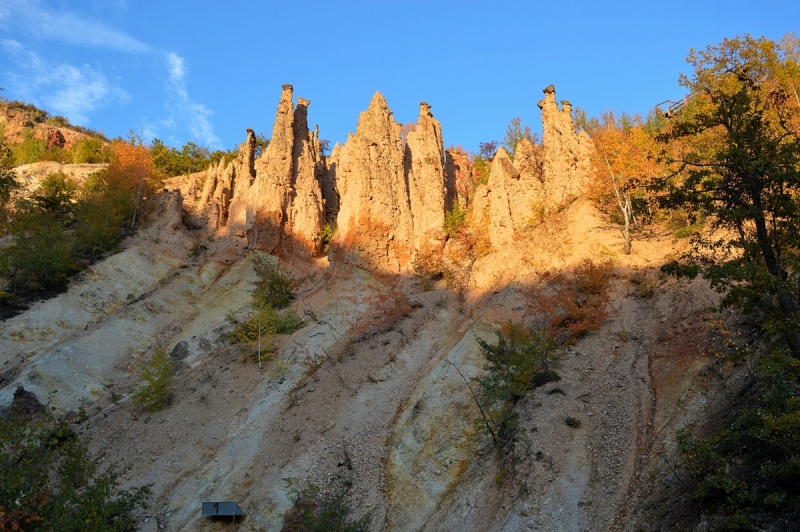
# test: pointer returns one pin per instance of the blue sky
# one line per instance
(205, 70)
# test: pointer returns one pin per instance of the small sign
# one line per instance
(221, 509)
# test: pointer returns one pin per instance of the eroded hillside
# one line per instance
(371, 389)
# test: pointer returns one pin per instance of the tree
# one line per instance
(41, 253)
(90, 150)
(517, 363)
(55, 194)
(740, 164)
(625, 160)
(8, 183)
(515, 132)
(30, 150)
(129, 179)
(274, 286)
(50, 482)
(157, 374)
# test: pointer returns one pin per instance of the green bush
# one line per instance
(30, 150)
(265, 323)
(91, 150)
(328, 230)
(287, 322)
(50, 482)
(572, 422)
(483, 167)
(8, 183)
(313, 512)
(41, 253)
(747, 472)
(156, 392)
(454, 220)
(274, 286)
(100, 224)
(55, 194)
(518, 362)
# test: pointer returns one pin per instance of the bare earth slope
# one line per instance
(371, 397)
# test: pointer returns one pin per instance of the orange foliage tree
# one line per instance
(626, 163)
(131, 175)
(114, 199)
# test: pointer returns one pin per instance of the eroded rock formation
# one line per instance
(276, 199)
(567, 154)
(427, 184)
(500, 186)
(375, 227)
(305, 207)
(540, 179)
(387, 198)
(391, 198)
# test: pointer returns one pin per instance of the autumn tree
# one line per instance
(740, 165)
(50, 481)
(8, 184)
(626, 163)
(515, 132)
(113, 199)
(130, 178)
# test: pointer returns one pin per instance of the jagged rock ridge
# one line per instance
(387, 198)
(275, 200)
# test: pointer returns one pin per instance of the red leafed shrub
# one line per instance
(571, 304)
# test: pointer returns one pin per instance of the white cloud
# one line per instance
(60, 88)
(195, 115)
(32, 16)
(75, 91)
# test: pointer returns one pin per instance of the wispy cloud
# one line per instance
(32, 16)
(61, 88)
(76, 91)
(183, 109)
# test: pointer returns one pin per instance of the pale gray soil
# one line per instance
(379, 405)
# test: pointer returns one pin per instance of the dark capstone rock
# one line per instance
(180, 351)
(25, 403)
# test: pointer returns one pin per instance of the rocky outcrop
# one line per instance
(388, 198)
(306, 208)
(208, 206)
(500, 185)
(54, 137)
(272, 187)
(330, 193)
(275, 200)
(391, 198)
(244, 166)
(427, 183)
(540, 179)
(567, 154)
(375, 227)
(16, 123)
(517, 192)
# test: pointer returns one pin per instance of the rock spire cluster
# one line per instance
(386, 195)
(391, 196)
(540, 179)
(276, 199)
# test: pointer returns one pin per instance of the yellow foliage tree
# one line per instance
(626, 163)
